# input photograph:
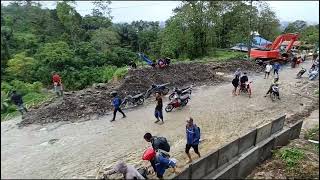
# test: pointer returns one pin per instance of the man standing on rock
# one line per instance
(116, 104)
(57, 84)
(158, 110)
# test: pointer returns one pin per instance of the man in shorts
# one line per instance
(193, 138)
(267, 71)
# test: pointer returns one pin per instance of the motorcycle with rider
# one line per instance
(245, 85)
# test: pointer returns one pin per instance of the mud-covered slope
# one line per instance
(97, 100)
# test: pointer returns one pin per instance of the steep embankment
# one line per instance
(97, 100)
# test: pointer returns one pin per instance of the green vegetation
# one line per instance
(92, 49)
(312, 134)
(291, 156)
(33, 95)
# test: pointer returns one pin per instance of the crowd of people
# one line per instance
(158, 155)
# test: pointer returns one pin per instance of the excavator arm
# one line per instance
(285, 37)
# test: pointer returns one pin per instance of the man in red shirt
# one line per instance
(57, 84)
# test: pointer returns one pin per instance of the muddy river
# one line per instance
(75, 150)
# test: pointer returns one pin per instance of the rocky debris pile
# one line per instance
(96, 100)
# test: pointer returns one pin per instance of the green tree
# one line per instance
(20, 68)
(56, 56)
(296, 26)
(105, 39)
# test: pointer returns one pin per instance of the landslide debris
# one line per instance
(96, 100)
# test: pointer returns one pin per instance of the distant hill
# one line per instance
(284, 24)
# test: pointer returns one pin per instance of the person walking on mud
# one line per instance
(17, 100)
(276, 68)
(267, 70)
(116, 102)
(158, 110)
(193, 138)
(237, 74)
(158, 144)
(235, 83)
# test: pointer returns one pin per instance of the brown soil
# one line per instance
(96, 100)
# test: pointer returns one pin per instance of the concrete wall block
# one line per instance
(248, 162)
(185, 174)
(277, 124)
(282, 138)
(212, 162)
(295, 130)
(247, 141)
(265, 148)
(227, 152)
(230, 172)
(198, 168)
(263, 133)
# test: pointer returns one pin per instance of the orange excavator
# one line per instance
(275, 52)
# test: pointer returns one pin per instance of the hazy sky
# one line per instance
(127, 11)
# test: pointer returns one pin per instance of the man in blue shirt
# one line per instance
(193, 138)
(116, 104)
(276, 68)
(163, 163)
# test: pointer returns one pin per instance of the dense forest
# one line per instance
(84, 50)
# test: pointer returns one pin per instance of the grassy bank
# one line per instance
(297, 160)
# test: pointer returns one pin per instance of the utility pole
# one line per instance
(250, 36)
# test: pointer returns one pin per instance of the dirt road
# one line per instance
(76, 150)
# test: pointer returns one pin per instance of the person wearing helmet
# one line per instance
(128, 171)
(17, 100)
(162, 162)
(116, 102)
(275, 82)
(158, 143)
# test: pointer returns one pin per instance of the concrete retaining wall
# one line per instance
(238, 158)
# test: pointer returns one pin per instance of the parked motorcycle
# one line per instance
(178, 101)
(301, 72)
(313, 74)
(274, 92)
(162, 88)
(245, 88)
(133, 100)
(183, 91)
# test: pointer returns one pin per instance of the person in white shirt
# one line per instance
(267, 71)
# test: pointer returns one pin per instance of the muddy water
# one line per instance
(77, 150)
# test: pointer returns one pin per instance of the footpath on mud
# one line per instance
(96, 100)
